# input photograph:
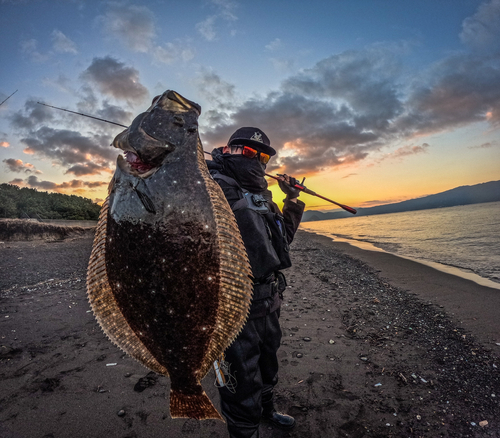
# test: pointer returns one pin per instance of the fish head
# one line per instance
(167, 124)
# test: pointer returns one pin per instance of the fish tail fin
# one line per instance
(196, 406)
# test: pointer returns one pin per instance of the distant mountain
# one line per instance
(476, 194)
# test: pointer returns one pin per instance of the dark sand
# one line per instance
(382, 347)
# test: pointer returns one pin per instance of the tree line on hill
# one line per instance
(16, 202)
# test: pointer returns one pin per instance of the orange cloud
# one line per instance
(80, 192)
(18, 166)
(18, 182)
(4, 144)
(73, 186)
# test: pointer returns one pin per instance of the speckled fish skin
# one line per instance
(168, 278)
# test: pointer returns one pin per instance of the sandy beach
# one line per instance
(373, 346)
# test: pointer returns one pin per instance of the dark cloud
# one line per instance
(89, 101)
(460, 90)
(88, 169)
(90, 105)
(319, 133)
(115, 114)
(32, 115)
(34, 182)
(220, 94)
(364, 81)
(68, 147)
(353, 104)
(76, 151)
(113, 78)
(17, 182)
(330, 115)
(15, 165)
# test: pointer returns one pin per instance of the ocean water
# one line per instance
(461, 240)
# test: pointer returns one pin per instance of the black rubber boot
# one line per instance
(269, 414)
(278, 419)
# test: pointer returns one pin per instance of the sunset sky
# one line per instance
(374, 101)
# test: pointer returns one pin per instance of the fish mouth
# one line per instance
(137, 166)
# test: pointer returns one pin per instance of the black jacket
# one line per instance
(267, 247)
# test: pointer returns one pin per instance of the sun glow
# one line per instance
(289, 149)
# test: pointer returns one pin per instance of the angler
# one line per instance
(239, 168)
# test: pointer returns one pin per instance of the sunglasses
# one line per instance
(252, 153)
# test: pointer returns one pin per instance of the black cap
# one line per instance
(252, 137)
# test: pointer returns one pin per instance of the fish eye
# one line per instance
(178, 121)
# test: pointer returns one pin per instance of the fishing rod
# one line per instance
(84, 115)
(298, 186)
(304, 189)
(5, 100)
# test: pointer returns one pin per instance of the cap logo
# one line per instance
(257, 137)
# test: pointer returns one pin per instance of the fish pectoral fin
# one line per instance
(143, 193)
(197, 406)
(146, 201)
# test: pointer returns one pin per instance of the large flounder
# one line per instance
(168, 277)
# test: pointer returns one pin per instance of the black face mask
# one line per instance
(248, 172)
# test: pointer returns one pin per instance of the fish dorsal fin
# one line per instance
(104, 304)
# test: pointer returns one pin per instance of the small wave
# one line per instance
(460, 237)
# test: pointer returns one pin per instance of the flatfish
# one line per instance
(168, 279)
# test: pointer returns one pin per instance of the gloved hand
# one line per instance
(287, 188)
